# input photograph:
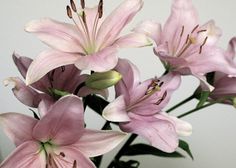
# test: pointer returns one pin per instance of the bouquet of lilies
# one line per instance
(82, 63)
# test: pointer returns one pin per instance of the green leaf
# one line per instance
(184, 146)
(203, 98)
(35, 115)
(144, 149)
(127, 164)
(96, 103)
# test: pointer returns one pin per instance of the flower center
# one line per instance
(191, 40)
(80, 20)
(56, 160)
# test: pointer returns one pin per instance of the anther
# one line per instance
(182, 31)
(82, 3)
(187, 39)
(100, 9)
(69, 12)
(63, 68)
(164, 95)
(84, 17)
(200, 31)
(62, 154)
(50, 159)
(204, 42)
(73, 6)
(194, 29)
(74, 164)
(161, 84)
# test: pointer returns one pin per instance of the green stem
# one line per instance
(196, 109)
(181, 103)
(122, 150)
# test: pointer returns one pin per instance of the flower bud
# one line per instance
(103, 80)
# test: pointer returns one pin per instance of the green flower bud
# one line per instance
(103, 80)
(57, 94)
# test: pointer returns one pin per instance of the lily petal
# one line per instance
(183, 128)
(211, 59)
(22, 63)
(23, 93)
(224, 87)
(94, 143)
(114, 23)
(74, 157)
(101, 61)
(62, 36)
(63, 124)
(230, 53)
(182, 13)
(212, 33)
(151, 29)
(159, 130)
(26, 155)
(47, 61)
(116, 111)
(133, 40)
(18, 127)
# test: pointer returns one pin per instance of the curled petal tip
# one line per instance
(9, 81)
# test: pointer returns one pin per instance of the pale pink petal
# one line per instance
(184, 14)
(73, 154)
(205, 86)
(47, 61)
(25, 94)
(100, 61)
(158, 130)
(138, 92)
(133, 40)
(212, 33)
(116, 21)
(17, 126)
(61, 36)
(22, 63)
(183, 128)
(130, 75)
(151, 29)
(231, 48)
(63, 124)
(91, 14)
(44, 106)
(27, 155)
(211, 59)
(116, 111)
(94, 143)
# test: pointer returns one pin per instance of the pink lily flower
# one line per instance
(187, 47)
(64, 79)
(89, 44)
(138, 107)
(59, 139)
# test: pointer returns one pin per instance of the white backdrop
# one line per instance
(213, 140)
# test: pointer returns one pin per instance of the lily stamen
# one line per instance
(74, 164)
(204, 42)
(195, 28)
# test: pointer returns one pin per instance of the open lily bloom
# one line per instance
(59, 139)
(225, 86)
(138, 107)
(185, 46)
(89, 44)
(55, 84)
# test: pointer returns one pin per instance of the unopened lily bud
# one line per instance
(103, 80)
(57, 93)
